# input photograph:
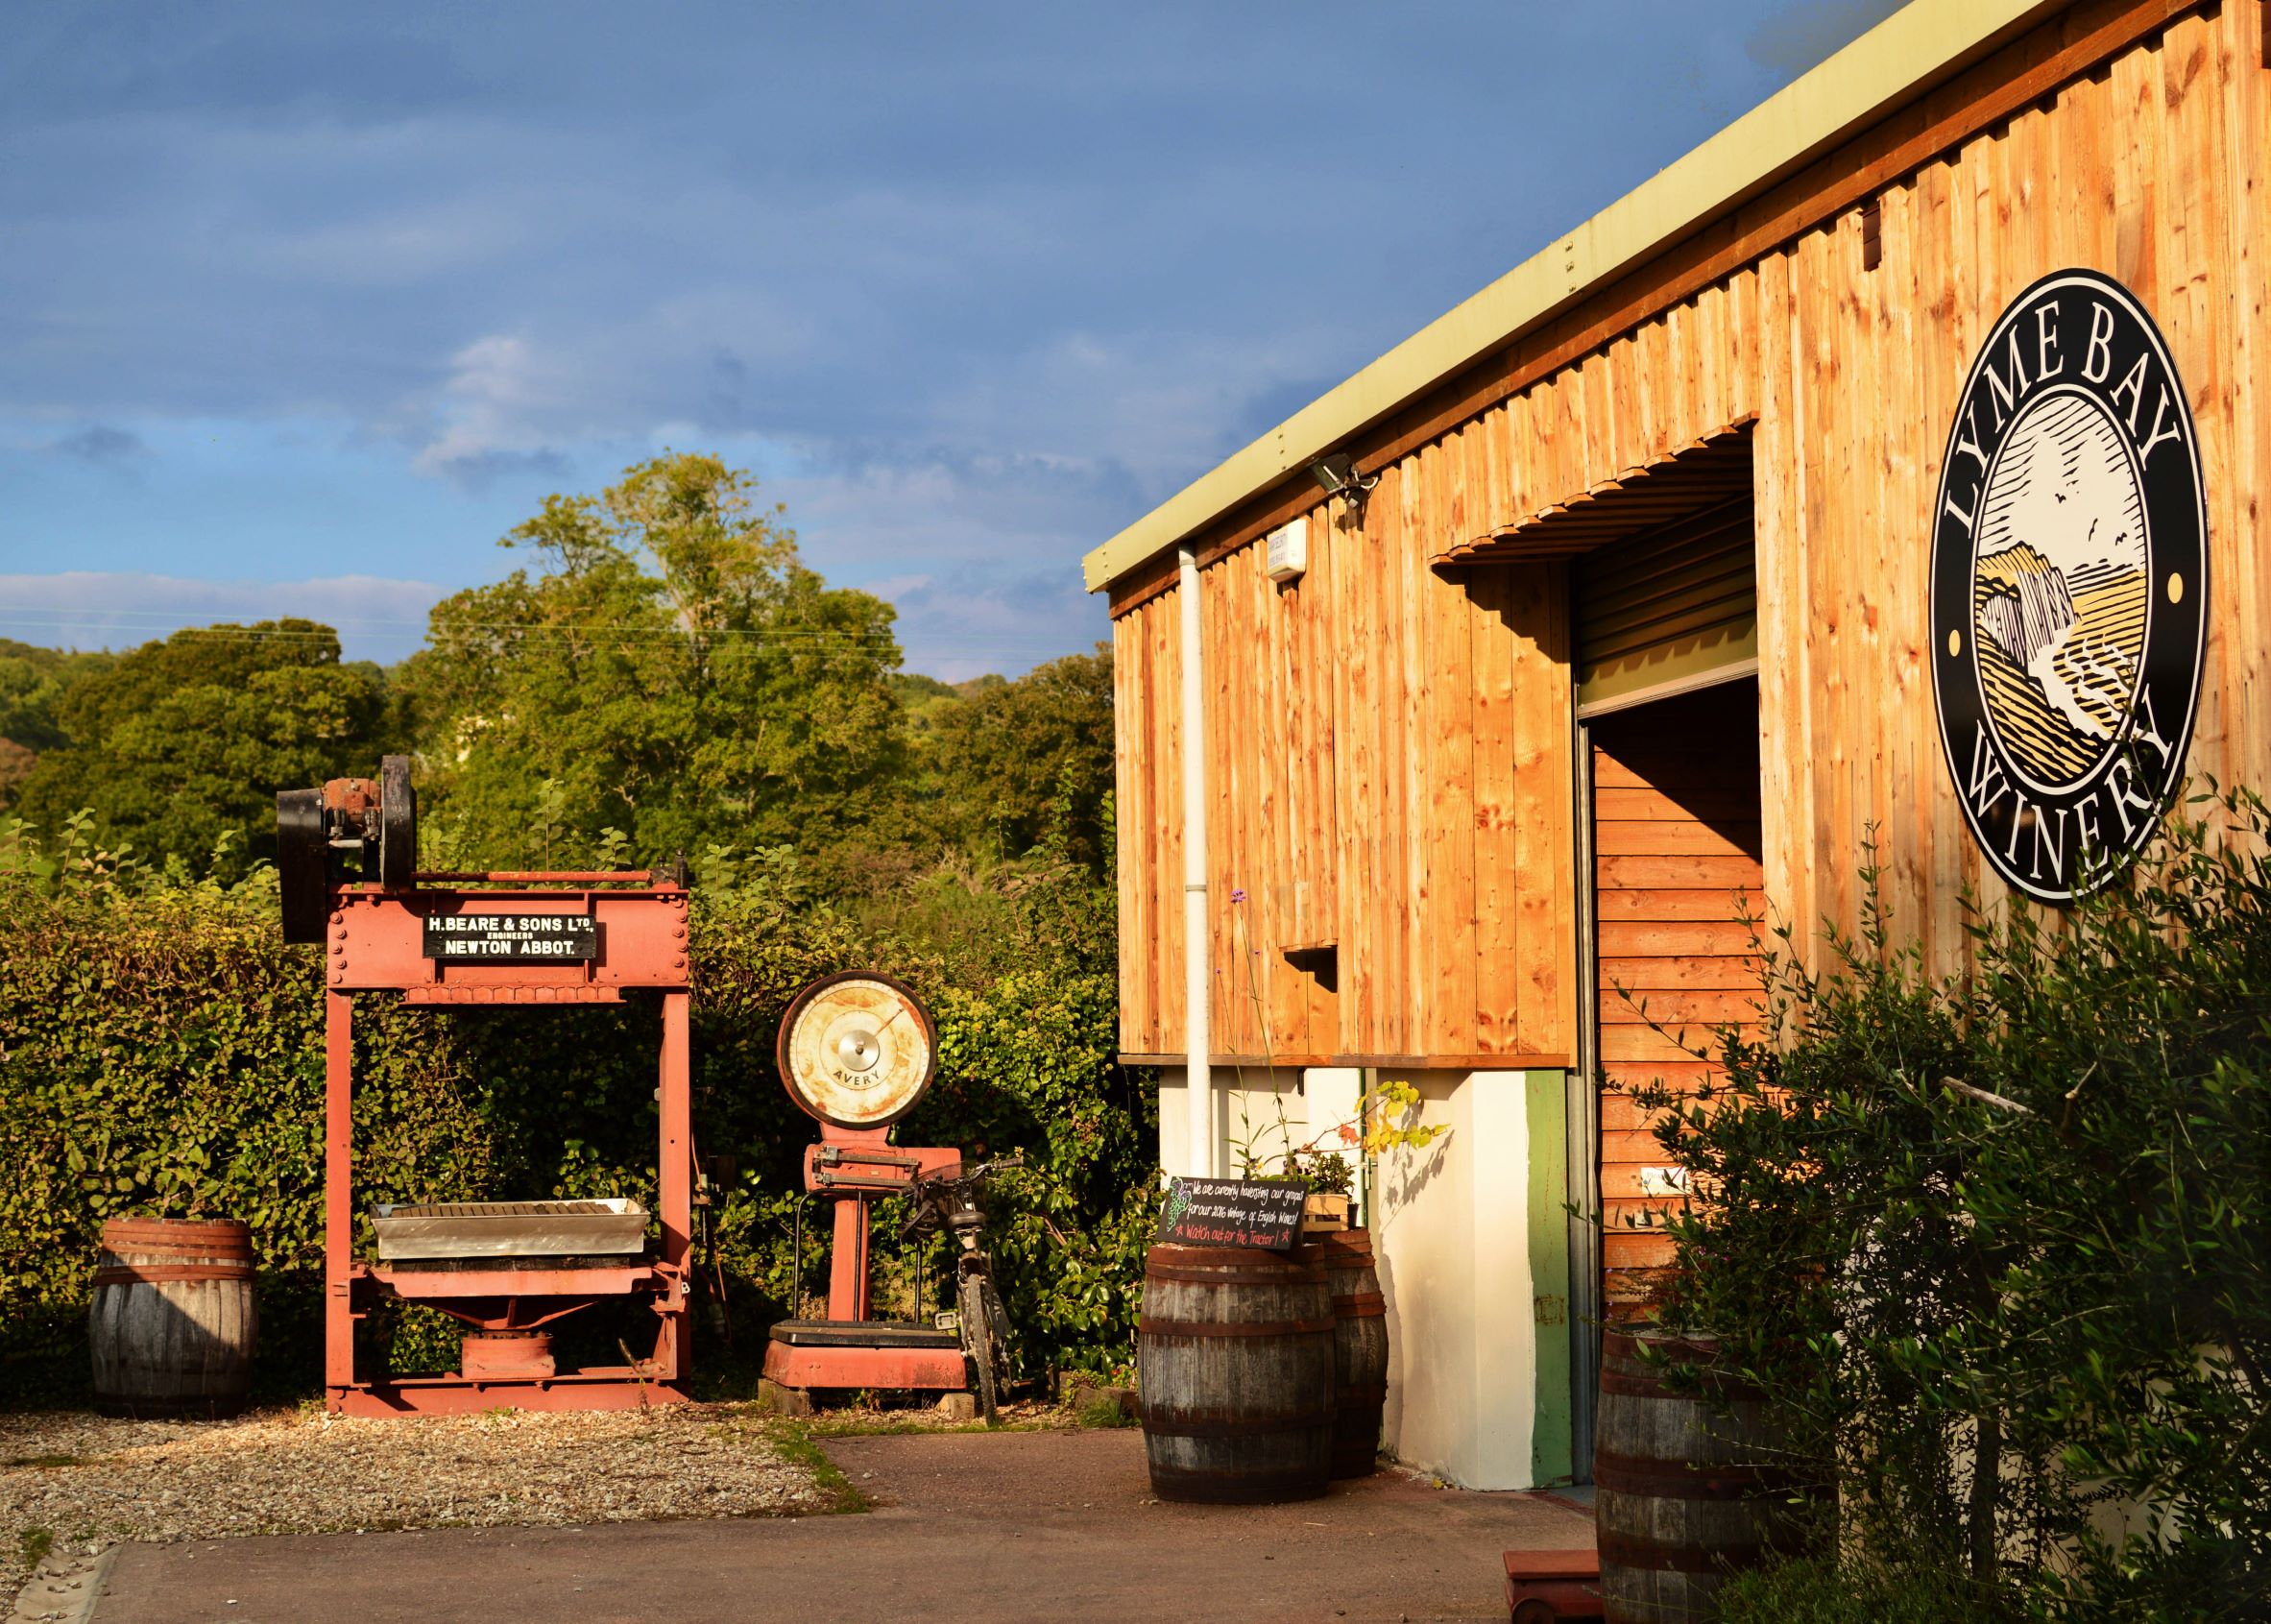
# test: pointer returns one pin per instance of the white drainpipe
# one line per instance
(1197, 971)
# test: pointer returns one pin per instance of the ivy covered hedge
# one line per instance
(161, 1053)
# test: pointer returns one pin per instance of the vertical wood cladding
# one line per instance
(1387, 795)
(1676, 848)
(1390, 735)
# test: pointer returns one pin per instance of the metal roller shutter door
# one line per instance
(1668, 612)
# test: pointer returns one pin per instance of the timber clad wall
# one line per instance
(1387, 776)
(1435, 700)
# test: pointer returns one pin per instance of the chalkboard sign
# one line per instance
(513, 938)
(1262, 1213)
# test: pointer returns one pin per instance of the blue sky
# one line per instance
(303, 307)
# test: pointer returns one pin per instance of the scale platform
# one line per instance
(863, 1333)
(872, 1353)
(610, 1227)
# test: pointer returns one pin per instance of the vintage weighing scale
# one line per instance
(856, 1051)
(506, 1270)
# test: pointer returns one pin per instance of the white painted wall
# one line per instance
(1450, 1227)
(1175, 1115)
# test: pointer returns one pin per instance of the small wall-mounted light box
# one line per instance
(1288, 551)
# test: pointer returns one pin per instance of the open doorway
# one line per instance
(1675, 846)
(1677, 851)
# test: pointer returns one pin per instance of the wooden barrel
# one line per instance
(173, 1319)
(1235, 1355)
(1687, 1490)
(1359, 1348)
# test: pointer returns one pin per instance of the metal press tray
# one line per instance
(445, 1229)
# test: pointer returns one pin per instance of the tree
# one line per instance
(675, 674)
(33, 682)
(183, 743)
(1019, 758)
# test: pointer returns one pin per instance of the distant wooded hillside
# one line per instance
(665, 674)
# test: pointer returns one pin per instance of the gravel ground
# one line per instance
(88, 1480)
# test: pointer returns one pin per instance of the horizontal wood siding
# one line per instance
(1677, 851)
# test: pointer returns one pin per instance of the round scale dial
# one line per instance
(856, 1049)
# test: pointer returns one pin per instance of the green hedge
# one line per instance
(161, 1053)
(1998, 1245)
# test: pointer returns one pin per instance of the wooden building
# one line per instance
(1628, 603)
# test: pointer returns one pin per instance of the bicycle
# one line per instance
(955, 1205)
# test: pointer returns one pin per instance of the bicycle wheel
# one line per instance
(974, 1295)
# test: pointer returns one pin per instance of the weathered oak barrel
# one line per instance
(1684, 1486)
(172, 1318)
(1235, 1351)
(1359, 1348)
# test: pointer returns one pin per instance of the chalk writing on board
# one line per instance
(1261, 1213)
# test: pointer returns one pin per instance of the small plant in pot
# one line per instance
(1329, 1181)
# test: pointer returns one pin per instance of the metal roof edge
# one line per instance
(1894, 62)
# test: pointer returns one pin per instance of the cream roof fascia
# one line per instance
(1889, 66)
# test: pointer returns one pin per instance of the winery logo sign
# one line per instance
(2069, 586)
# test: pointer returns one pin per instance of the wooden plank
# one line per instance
(1685, 1075)
(1167, 646)
(1497, 940)
(1280, 833)
(1657, 970)
(1410, 995)
(1634, 1147)
(1925, 249)
(1215, 641)
(1270, 838)
(1127, 859)
(1653, 1050)
(1639, 1006)
(1297, 700)
(1682, 940)
(1621, 1113)
(1627, 1252)
(1455, 930)
(1670, 838)
(1669, 772)
(1614, 803)
(1323, 718)
(1358, 783)
(2187, 300)
(1254, 970)
(1659, 903)
(1722, 874)
(1784, 640)
(2238, 573)
(1543, 851)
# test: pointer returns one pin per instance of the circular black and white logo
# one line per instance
(2069, 586)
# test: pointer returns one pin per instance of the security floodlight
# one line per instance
(1337, 476)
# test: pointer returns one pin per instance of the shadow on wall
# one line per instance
(1663, 742)
(1405, 1176)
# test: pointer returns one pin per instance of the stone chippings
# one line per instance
(295, 1472)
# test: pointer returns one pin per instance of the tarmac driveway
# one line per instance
(1001, 1526)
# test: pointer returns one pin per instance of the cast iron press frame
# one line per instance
(373, 941)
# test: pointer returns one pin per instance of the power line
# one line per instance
(159, 623)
